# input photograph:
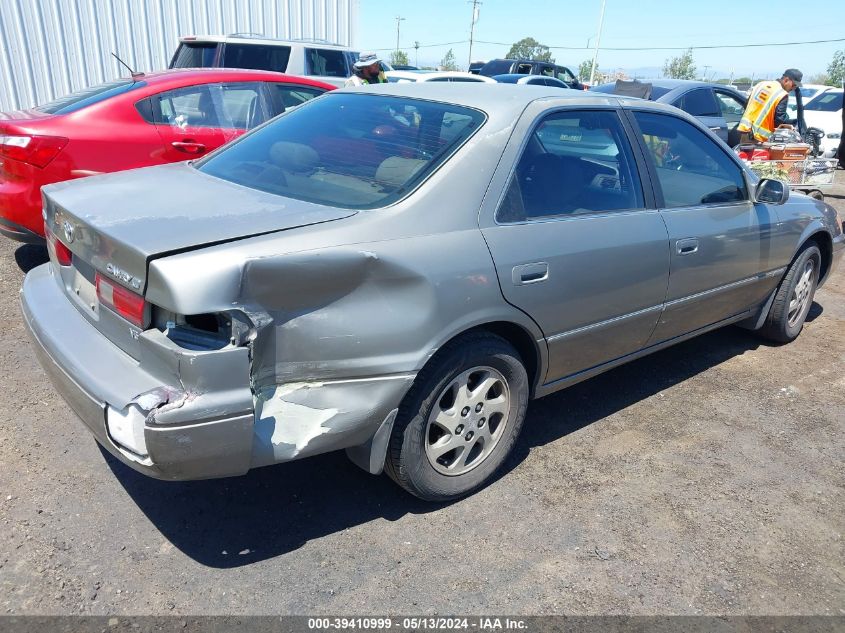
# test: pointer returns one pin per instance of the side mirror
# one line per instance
(771, 191)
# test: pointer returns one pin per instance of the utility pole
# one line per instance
(475, 9)
(417, 57)
(704, 77)
(598, 43)
(398, 20)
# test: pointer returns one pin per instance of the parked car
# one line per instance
(397, 270)
(531, 67)
(475, 66)
(530, 80)
(414, 76)
(404, 67)
(825, 113)
(319, 59)
(808, 93)
(162, 117)
(718, 106)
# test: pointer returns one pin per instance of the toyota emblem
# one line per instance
(69, 231)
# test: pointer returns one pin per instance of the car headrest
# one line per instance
(294, 157)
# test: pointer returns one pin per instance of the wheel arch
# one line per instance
(824, 241)
(525, 344)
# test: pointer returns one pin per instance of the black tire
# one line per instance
(781, 325)
(408, 463)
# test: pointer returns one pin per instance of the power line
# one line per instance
(376, 50)
(680, 48)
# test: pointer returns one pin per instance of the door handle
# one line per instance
(525, 274)
(718, 127)
(687, 246)
(189, 147)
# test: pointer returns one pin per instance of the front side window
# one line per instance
(326, 62)
(291, 95)
(256, 57)
(698, 102)
(353, 151)
(692, 169)
(230, 106)
(731, 107)
(564, 75)
(575, 162)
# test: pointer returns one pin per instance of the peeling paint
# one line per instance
(288, 426)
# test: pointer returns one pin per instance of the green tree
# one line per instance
(585, 68)
(836, 69)
(398, 58)
(529, 48)
(682, 67)
(448, 61)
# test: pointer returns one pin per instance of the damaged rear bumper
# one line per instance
(179, 414)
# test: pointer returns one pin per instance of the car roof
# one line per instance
(500, 99)
(187, 76)
(428, 75)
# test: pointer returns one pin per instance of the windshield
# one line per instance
(89, 96)
(353, 151)
(829, 102)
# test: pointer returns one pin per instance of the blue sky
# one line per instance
(626, 24)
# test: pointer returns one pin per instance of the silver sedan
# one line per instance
(396, 271)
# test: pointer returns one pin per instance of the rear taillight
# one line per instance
(126, 303)
(62, 252)
(34, 150)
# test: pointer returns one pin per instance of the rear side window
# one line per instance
(354, 151)
(194, 55)
(574, 163)
(564, 75)
(692, 169)
(256, 57)
(326, 62)
(90, 96)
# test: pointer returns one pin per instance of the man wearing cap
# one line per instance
(766, 107)
(367, 71)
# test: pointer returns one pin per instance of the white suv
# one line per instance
(313, 58)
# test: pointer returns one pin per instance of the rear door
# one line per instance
(576, 242)
(732, 107)
(195, 120)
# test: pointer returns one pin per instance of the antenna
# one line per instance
(475, 10)
(132, 73)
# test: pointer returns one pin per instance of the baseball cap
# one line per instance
(794, 74)
(367, 59)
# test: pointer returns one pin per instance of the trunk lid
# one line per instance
(119, 222)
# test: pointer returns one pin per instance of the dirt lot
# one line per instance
(707, 478)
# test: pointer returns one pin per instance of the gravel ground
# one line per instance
(707, 478)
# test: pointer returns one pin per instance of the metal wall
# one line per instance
(49, 48)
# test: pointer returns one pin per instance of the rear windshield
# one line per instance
(89, 96)
(256, 57)
(194, 55)
(352, 151)
(829, 102)
(496, 67)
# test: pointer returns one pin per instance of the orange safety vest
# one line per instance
(759, 115)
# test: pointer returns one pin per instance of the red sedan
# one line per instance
(148, 119)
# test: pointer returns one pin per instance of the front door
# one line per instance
(574, 242)
(721, 244)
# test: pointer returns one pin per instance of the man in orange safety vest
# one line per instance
(766, 107)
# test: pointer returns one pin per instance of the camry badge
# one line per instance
(69, 231)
